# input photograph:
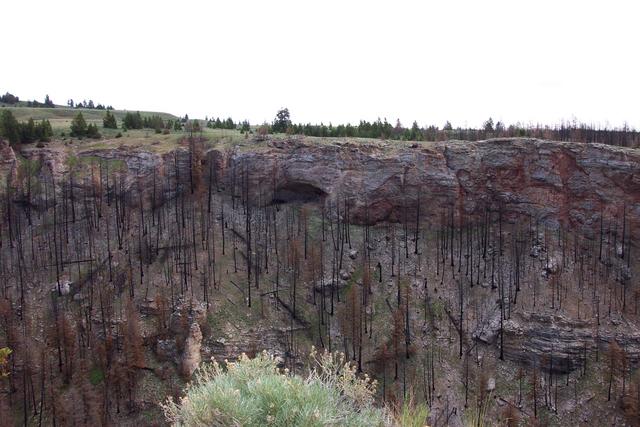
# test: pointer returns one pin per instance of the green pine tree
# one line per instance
(79, 126)
(28, 131)
(109, 121)
(9, 127)
(43, 131)
(282, 121)
(132, 121)
(92, 131)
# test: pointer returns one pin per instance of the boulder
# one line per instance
(487, 331)
(65, 287)
(186, 313)
(191, 355)
(552, 267)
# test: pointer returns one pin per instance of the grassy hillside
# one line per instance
(65, 113)
(151, 141)
(60, 117)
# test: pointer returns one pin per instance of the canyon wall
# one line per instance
(557, 183)
(570, 184)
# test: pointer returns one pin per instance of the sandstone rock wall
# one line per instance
(561, 343)
(554, 182)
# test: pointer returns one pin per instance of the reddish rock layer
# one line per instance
(557, 183)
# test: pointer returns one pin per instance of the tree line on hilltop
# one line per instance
(282, 123)
(88, 105)
(566, 131)
(11, 99)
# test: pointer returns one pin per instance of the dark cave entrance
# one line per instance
(297, 192)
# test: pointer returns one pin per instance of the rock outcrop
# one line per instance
(249, 342)
(554, 182)
(560, 343)
(183, 344)
(191, 356)
(8, 162)
(169, 173)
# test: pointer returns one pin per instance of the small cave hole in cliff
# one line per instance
(297, 192)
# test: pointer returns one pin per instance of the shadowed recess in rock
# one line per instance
(298, 192)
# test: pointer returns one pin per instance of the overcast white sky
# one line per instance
(332, 61)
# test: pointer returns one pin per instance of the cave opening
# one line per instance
(297, 192)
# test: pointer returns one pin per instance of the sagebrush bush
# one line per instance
(254, 392)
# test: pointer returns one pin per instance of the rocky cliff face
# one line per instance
(568, 184)
(557, 183)
(8, 162)
(191, 358)
(557, 342)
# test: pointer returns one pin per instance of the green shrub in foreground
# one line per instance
(253, 392)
